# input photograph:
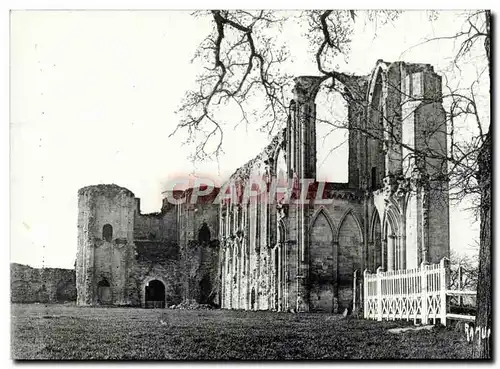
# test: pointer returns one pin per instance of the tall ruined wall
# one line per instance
(159, 261)
(148, 227)
(431, 118)
(106, 250)
(368, 224)
(46, 285)
(247, 233)
(201, 269)
(160, 226)
(200, 249)
(425, 135)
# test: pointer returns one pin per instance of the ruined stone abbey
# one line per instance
(267, 254)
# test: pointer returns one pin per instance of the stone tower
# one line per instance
(106, 250)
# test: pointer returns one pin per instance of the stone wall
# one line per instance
(160, 226)
(201, 268)
(45, 285)
(158, 261)
(200, 257)
(148, 227)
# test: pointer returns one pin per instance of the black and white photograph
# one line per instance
(250, 185)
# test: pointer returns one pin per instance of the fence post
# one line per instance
(460, 286)
(379, 294)
(423, 281)
(365, 294)
(444, 269)
(355, 292)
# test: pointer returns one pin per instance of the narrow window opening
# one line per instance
(107, 232)
(374, 178)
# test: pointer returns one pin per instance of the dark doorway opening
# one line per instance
(204, 234)
(206, 296)
(103, 292)
(155, 295)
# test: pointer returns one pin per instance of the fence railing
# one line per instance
(411, 294)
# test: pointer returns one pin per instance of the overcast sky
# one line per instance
(93, 100)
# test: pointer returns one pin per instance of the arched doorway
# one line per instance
(155, 294)
(103, 292)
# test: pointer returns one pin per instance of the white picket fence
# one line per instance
(411, 294)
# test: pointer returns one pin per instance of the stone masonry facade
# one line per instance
(273, 254)
(44, 285)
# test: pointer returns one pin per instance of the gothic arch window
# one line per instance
(281, 170)
(332, 146)
(107, 232)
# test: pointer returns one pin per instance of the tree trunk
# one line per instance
(482, 348)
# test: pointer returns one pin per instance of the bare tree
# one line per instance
(473, 178)
(242, 62)
(466, 278)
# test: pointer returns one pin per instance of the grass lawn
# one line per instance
(69, 332)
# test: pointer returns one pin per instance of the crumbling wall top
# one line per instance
(108, 190)
(244, 172)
